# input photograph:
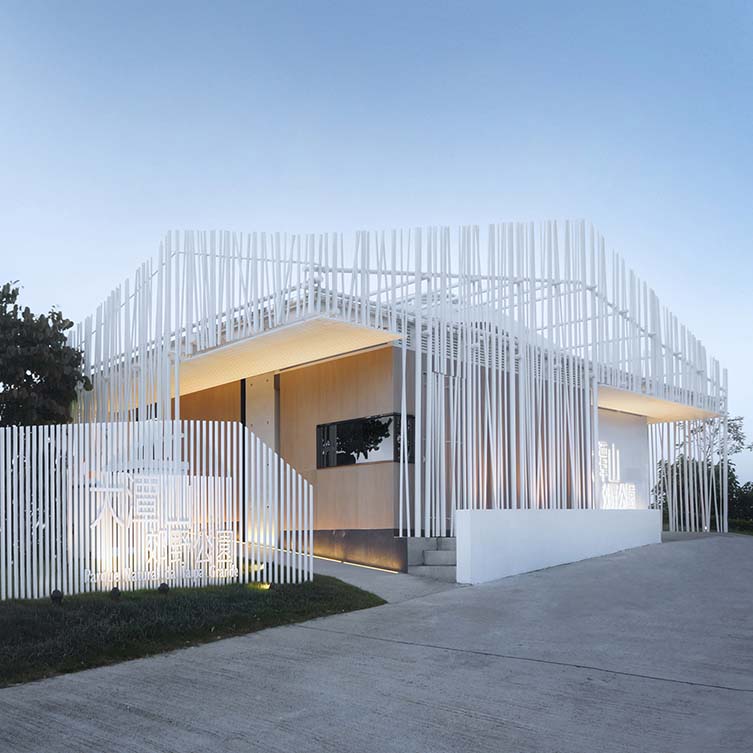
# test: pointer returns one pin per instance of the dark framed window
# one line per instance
(372, 439)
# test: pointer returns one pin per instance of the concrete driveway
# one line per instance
(647, 650)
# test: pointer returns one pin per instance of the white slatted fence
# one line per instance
(85, 507)
(689, 473)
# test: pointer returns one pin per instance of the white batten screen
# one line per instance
(689, 472)
(85, 507)
(507, 334)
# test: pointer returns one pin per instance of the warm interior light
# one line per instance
(356, 564)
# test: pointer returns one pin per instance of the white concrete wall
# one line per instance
(627, 433)
(493, 544)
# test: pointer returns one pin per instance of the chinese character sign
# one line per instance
(86, 507)
(615, 493)
(160, 527)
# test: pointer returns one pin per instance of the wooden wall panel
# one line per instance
(348, 497)
(222, 403)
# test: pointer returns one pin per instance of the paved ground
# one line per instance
(649, 650)
(392, 587)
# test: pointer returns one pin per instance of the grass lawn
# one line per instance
(39, 639)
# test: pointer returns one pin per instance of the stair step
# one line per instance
(437, 572)
(439, 557)
(416, 547)
(447, 543)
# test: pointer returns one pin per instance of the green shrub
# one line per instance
(740, 526)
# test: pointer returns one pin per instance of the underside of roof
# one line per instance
(656, 410)
(305, 341)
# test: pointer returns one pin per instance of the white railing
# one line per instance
(85, 507)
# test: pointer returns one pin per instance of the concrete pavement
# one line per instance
(392, 587)
(649, 650)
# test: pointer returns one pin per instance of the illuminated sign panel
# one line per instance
(622, 462)
(615, 493)
(140, 503)
(154, 527)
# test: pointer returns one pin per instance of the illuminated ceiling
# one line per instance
(303, 342)
(655, 409)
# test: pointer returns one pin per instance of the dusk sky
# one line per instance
(121, 121)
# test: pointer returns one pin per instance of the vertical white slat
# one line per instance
(47, 554)
(418, 432)
(275, 522)
(297, 528)
(258, 501)
(252, 501)
(271, 457)
(263, 501)
(311, 531)
(17, 486)
(236, 479)
(222, 474)
(58, 506)
(291, 526)
(306, 532)
(288, 519)
(72, 433)
(83, 499)
(27, 520)
(11, 454)
(35, 508)
(247, 490)
(5, 565)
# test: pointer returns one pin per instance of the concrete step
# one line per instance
(438, 572)
(440, 557)
(416, 548)
(447, 543)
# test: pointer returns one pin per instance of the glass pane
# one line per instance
(366, 440)
(361, 440)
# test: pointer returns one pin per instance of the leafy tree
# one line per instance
(685, 466)
(741, 502)
(736, 440)
(356, 438)
(39, 371)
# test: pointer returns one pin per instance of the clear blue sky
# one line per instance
(121, 120)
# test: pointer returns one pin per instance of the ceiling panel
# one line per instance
(293, 345)
(643, 405)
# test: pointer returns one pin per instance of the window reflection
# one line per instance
(362, 440)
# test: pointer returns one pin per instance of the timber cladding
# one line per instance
(221, 403)
(347, 497)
